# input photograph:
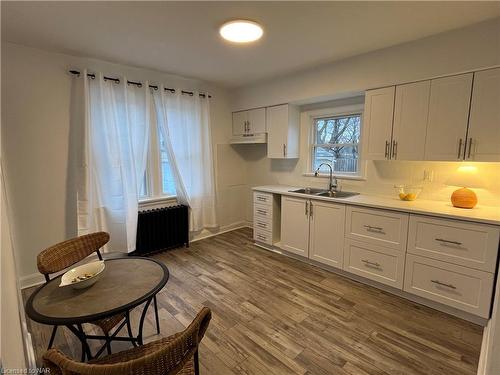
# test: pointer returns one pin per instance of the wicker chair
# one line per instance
(65, 254)
(177, 354)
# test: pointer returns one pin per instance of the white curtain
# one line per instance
(184, 122)
(115, 128)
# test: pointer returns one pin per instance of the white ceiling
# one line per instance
(182, 37)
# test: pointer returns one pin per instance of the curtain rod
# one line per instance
(138, 84)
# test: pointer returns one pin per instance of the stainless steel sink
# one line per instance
(308, 190)
(337, 194)
(324, 193)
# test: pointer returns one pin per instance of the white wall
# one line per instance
(36, 98)
(470, 48)
(451, 52)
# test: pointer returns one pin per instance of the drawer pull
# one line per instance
(374, 229)
(262, 199)
(372, 264)
(449, 242)
(443, 284)
(261, 237)
(262, 212)
(262, 225)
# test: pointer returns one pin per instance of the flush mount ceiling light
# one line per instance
(241, 31)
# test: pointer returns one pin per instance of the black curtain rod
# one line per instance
(138, 84)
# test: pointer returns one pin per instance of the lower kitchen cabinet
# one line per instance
(326, 232)
(313, 229)
(295, 225)
(374, 262)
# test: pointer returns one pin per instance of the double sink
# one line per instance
(324, 193)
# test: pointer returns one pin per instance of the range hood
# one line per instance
(249, 138)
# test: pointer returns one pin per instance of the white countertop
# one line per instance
(480, 214)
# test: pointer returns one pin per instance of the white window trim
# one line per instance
(335, 112)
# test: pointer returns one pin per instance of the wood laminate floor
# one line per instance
(276, 315)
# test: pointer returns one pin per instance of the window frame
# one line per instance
(348, 110)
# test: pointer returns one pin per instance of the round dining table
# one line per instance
(126, 283)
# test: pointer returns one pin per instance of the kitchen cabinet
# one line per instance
(377, 126)
(448, 117)
(483, 138)
(326, 232)
(249, 122)
(313, 229)
(283, 131)
(411, 109)
(265, 219)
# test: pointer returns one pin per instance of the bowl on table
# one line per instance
(83, 276)
(408, 192)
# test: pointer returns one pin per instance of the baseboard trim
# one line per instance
(223, 229)
(31, 280)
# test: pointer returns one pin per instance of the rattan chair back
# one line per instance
(63, 255)
(176, 354)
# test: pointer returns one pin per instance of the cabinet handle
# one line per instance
(376, 229)
(262, 199)
(262, 225)
(451, 286)
(368, 263)
(284, 150)
(459, 148)
(307, 208)
(386, 154)
(310, 209)
(261, 237)
(262, 212)
(448, 241)
(394, 149)
(469, 148)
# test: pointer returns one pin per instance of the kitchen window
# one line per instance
(336, 141)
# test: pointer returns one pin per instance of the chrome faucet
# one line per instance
(333, 184)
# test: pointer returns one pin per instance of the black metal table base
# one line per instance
(78, 331)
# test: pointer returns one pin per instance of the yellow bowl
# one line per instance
(408, 192)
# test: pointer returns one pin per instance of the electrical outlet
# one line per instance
(428, 175)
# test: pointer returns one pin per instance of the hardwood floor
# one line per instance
(276, 315)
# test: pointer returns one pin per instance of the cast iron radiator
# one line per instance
(161, 229)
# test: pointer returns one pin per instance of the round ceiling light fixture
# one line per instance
(241, 31)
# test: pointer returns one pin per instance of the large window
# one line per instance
(158, 179)
(336, 142)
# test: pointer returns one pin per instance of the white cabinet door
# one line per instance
(410, 121)
(448, 117)
(377, 127)
(326, 234)
(282, 132)
(295, 225)
(239, 122)
(257, 121)
(484, 123)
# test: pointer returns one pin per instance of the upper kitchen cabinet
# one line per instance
(483, 139)
(283, 131)
(410, 121)
(448, 117)
(249, 122)
(377, 126)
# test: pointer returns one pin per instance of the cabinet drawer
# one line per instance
(456, 286)
(465, 244)
(374, 262)
(379, 227)
(263, 198)
(263, 236)
(262, 224)
(262, 212)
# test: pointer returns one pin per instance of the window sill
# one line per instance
(337, 176)
(157, 201)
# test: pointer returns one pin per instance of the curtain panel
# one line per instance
(113, 124)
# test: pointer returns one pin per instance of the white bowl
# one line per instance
(83, 276)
